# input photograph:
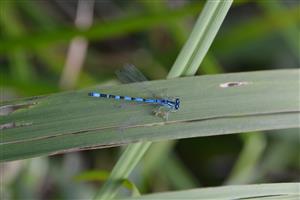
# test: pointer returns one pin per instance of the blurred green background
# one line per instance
(58, 45)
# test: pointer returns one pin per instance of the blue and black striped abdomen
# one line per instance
(127, 98)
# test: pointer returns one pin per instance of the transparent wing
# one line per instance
(130, 74)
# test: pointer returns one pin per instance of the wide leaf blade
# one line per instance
(74, 121)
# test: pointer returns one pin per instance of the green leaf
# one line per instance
(257, 191)
(121, 171)
(203, 34)
(244, 169)
(74, 121)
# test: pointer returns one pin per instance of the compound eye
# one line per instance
(177, 102)
(177, 105)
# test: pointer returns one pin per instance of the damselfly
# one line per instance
(131, 74)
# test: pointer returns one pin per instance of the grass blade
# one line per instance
(258, 191)
(203, 34)
(244, 168)
(73, 121)
(122, 169)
